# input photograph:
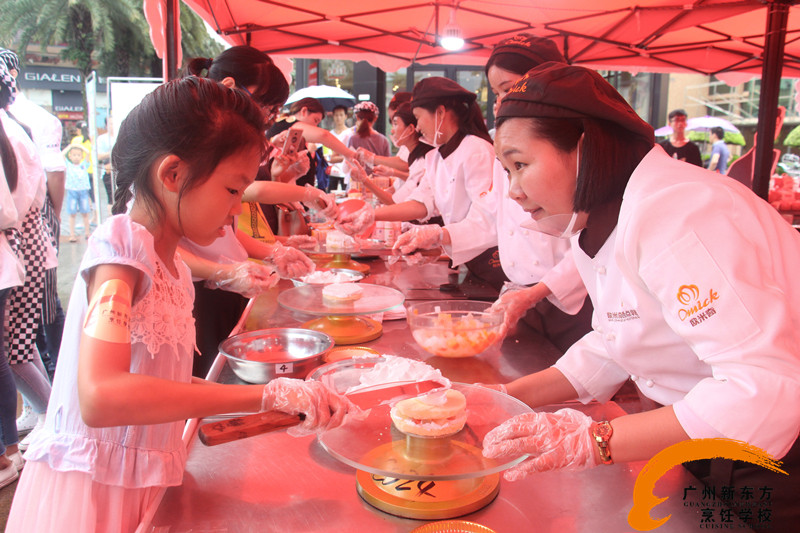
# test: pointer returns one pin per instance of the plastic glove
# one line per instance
(288, 168)
(302, 241)
(365, 157)
(419, 238)
(322, 408)
(357, 222)
(290, 262)
(514, 302)
(356, 171)
(246, 278)
(559, 440)
(383, 171)
(320, 201)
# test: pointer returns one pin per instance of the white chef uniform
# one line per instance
(527, 256)
(696, 299)
(450, 184)
(415, 173)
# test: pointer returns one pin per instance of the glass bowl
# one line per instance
(454, 328)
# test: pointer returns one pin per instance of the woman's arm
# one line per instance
(273, 192)
(404, 211)
(313, 134)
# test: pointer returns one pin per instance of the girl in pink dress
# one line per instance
(124, 387)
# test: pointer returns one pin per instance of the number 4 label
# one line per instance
(284, 368)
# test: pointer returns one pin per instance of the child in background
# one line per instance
(78, 188)
(123, 388)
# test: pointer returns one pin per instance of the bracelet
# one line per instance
(601, 432)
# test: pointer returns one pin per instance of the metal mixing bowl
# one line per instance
(261, 355)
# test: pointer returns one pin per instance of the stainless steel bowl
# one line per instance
(261, 355)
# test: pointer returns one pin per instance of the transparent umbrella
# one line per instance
(707, 122)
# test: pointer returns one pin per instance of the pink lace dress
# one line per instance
(101, 479)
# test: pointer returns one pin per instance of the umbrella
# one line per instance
(707, 122)
(328, 96)
(700, 124)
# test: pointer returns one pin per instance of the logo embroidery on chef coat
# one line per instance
(622, 316)
(698, 307)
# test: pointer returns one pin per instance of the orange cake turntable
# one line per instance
(427, 478)
(345, 321)
(336, 257)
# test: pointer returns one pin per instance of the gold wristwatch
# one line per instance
(602, 431)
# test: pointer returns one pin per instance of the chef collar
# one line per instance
(601, 222)
(557, 90)
(450, 146)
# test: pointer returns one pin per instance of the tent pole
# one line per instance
(170, 67)
(777, 15)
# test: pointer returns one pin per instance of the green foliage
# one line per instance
(705, 137)
(110, 36)
(793, 139)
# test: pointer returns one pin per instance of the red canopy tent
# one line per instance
(728, 38)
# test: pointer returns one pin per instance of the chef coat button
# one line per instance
(634, 377)
(511, 232)
(535, 262)
(526, 232)
(649, 383)
(610, 337)
(600, 269)
(599, 329)
(512, 263)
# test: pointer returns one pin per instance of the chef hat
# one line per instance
(532, 49)
(557, 90)
(405, 114)
(435, 89)
(7, 81)
(366, 106)
(10, 59)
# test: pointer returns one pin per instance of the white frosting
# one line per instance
(394, 369)
(336, 240)
(322, 277)
(342, 291)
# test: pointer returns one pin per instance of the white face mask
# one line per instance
(561, 225)
(437, 130)
(406, 132)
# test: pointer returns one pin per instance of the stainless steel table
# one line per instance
(275, 482)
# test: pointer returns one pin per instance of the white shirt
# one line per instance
(450, 185)
(31, 188)
(13, 272)
(527, 256)
(695, 297)
(415, 172)
(46, 130)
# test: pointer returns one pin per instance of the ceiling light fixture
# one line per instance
(452, 38)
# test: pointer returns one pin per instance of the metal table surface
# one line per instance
(275, 482)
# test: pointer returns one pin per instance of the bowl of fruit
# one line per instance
(454, 328)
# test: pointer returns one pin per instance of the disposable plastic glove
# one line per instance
(302, 241)
(290, 262)
(357, 222)
(356, 171)
(365, 157)
(323, 409)
(320, 201)
(383, 171)
(559, 440)
(246, 278)
(514, 302)
(287, 168)
(419, 238)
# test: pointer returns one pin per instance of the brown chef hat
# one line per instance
(535, 49)
(435, 89)
(557, 90)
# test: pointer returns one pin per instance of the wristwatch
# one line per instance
(602, 431)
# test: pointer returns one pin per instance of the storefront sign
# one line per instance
(39, 77)
(68, 105)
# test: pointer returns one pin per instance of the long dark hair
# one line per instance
(199, 120)
(470, 118)
(608, 154)
(248, 67)
(6, 150)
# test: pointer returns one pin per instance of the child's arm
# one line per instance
(69, 147)
(109, 394)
